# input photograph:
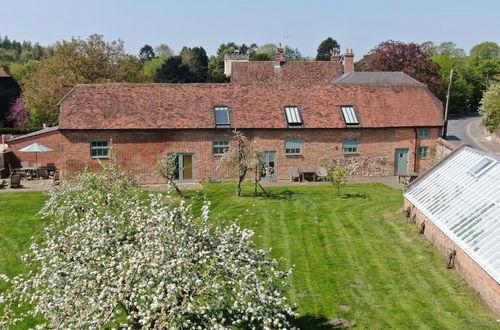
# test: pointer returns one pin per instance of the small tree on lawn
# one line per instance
(337, 176)
(113, 257)
(243, 158)
(166, 167)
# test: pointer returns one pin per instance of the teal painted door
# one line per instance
(268, 166)
(401, 161)
(185, 167)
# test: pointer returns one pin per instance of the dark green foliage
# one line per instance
(172, 71)
(260, 57)
(197, 61)
(325, 49)
(146, 53)
(16, 131)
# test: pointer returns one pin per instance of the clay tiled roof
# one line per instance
(294, 72)
(183, 106)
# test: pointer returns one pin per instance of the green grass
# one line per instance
(356, 251)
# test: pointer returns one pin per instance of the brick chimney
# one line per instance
(348, 61)
(279, 59)
(335, 57)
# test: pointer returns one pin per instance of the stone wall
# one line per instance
(365, 166)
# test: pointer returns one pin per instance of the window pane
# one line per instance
(221, 115)
(423, 133)
(349, 114)
(350, 145)
(293, 116)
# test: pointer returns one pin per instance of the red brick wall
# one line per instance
(473, 274)
(136, 150)
(53, 140)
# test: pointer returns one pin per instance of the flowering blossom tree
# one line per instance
(112, 257)
(19, 113)
(243, 158)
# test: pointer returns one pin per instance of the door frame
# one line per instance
(180, 161)
(396, 158)
(265, 160)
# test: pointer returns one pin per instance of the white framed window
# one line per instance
(293, 146)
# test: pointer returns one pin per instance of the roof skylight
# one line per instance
(349, 114)
(222, 116)
(293, 116)
(481, 166)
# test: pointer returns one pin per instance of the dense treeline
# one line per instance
(46, 74)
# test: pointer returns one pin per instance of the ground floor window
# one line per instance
(293, 146)
(99, 149)
(219, 146)
(423, 153)
(350, 145)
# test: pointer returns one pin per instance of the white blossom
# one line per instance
(111, 256)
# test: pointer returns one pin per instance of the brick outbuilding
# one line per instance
(302, 114)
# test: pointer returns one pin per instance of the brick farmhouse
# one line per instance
(302, 114)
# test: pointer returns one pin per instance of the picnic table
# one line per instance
(307, 173)
(29, 172)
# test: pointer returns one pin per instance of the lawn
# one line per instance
(354, 258)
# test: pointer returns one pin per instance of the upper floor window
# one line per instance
(349, 115)
(293, 117)
(423, 133)
(350, 145)
(99, 149)
(222, 115)
(293, 146)
(219, 146)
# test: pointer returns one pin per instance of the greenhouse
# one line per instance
(461, 197)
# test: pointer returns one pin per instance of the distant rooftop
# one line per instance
(391, 78)
(236, 57)
(43, 130)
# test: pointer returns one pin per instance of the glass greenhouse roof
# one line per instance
(461, 196)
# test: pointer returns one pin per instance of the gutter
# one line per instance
(416, 154)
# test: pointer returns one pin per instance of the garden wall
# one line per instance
(473, 274)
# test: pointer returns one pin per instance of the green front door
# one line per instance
(401, 161)
(268, 166)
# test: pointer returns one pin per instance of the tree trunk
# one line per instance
(238, 187)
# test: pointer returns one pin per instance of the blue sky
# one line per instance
(356, 24)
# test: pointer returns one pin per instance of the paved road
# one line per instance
(466, 129)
